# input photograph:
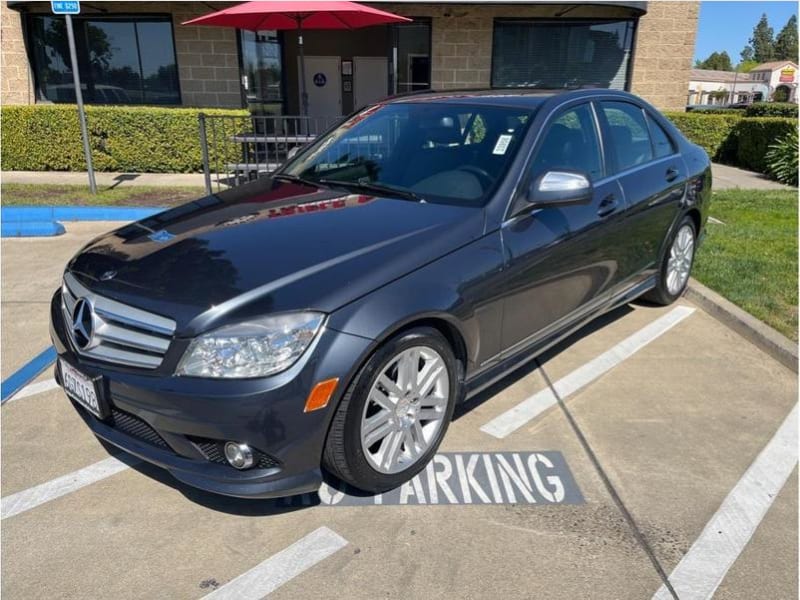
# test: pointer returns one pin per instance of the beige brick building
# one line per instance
(139, 53)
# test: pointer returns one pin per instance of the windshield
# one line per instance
(452, 153)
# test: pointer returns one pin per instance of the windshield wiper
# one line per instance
(378, 188)
(293, 179)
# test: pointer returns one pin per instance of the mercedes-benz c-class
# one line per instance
(330, 316)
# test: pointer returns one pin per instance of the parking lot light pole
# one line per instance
(73, 57)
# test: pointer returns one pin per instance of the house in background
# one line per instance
(711, 87)
(781, 77)
(139, 53)
(775, 81)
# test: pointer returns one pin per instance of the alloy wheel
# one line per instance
(681, 255)
(405, 409)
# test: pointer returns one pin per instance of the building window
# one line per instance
(262, 71)
(413, 44)
(121, 60)
(561, 54)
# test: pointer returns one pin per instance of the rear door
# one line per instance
(653, 178)
(560, 259)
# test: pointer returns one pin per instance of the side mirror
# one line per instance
(560, 188)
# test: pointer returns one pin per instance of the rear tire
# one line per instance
(676, 265)
(395, 412)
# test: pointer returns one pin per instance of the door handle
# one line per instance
(672, 174)
(607, 205)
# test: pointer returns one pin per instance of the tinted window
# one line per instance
(561, 54)
(570, 143)
(629, 138)
(454, 153)
(661, 143)
(121, 60)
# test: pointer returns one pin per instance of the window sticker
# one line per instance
(502, 144)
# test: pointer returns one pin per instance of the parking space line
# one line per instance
(27, 373)
(281, 567)
(61, 486)
(34, 388)
(705, 565)
(527, 410)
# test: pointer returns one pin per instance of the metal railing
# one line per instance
(238, 149)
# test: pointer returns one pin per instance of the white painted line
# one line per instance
(715, 221)
(35, 388)
(704, 566)
(528, 409)
(61, 486)
(281, 567)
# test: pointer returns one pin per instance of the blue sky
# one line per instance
(729, 25)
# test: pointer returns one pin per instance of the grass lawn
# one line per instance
(133, 195)
(752, 259)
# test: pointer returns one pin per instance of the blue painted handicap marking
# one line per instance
(65, 7)
(455, 478)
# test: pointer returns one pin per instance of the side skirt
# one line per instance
(537, 346)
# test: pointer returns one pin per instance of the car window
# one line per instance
(662, 144)
(456, 153)
(570, 143)
(629, 137)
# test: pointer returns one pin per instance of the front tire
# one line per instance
(395, 413)
(676, 265)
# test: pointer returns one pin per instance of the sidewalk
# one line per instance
(104, 180)
(725, 177)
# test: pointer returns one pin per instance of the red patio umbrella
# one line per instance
(298, 15)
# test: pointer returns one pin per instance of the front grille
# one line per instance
(122, 334)
(135, 427)
(214, 451)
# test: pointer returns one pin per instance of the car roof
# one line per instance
(512, 97)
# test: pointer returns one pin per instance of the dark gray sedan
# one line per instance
(333, 315)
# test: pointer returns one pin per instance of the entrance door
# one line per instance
(324, 85)
(261, 72)
(370, 79)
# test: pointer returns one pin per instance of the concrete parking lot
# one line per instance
(679, 436)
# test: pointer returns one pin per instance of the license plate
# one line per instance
(80, 388)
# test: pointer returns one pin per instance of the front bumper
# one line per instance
(173, 421)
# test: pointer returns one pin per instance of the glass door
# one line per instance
(262, 72)
(411, 56)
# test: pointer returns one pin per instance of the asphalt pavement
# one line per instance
(651, 455)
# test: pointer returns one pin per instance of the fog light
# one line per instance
(239, 455)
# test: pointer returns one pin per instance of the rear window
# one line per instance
(630, 139)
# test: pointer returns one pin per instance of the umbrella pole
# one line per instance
(303, 92)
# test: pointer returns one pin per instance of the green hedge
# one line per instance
(123, 138)
(735, 140)
(755, 135)
(771, 109)
(718, 111)
(715, 133)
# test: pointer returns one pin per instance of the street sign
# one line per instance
(76, 80)
(65, 7)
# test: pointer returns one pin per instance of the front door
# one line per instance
(323, 85)
(370, 80)
(562, 259)
(261, 72)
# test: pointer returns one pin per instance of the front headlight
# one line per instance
(253, 348)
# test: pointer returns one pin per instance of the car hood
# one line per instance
(268, 247)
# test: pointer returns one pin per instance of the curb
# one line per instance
(31, 229)
(43, 221)
(756, 332)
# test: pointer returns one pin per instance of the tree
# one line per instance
(746, 66)
(786, 42)
(747, 54)
(717, 61)
(763, 42)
